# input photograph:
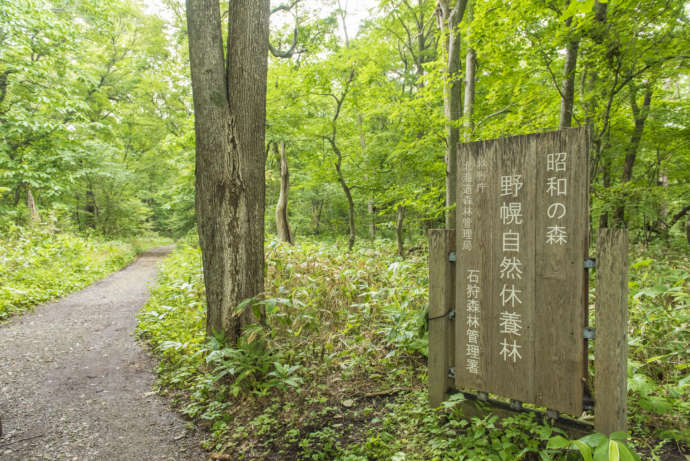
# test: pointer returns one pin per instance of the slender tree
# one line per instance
(229, 95)
(569, 67)
(470, 67)
(282, 225)
(450, 14)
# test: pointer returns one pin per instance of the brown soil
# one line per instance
(75, 385)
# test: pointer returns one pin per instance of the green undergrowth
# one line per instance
(37, 265)
(659, 344)
(339, 372)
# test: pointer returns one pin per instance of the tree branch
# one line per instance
(287, 53)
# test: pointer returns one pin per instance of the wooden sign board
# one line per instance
(520, 282)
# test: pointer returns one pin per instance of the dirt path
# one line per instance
(74, 384)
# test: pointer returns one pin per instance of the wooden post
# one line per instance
(441, 303)
(611, 345)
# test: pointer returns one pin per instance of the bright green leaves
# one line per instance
(85, 112)
(36, 266)
(596, 447)
(578, 7)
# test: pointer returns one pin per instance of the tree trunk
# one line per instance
(449, 18)
(31, 206)
(640, 117)
(230, 115)
(348, 195)
(687, 229)
(370, 202)
(372, 216)
(399, 230)
(317, 208)
(568, 91)
(339, 156)
(606, 182)
(3, 84)
(282, 225)
(470, 66)
(90, 208)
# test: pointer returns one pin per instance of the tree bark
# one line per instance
(606, 182)
(348, 194)
(332, 139)
(3, 84)
(282, 225)
(568, 91)
(400, 218)
(470, 66)
(640, 117)
(370, 202)
(230, 115)
(31, 206)
(449, 18)
(90, 207)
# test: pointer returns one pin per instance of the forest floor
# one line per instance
(75, 385)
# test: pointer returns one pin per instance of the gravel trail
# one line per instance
(75, 385)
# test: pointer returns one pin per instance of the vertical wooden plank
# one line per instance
(450, 324)
(471, 279)
(519, 329)
(513, 268)
(561, 244)
(611, 345)
(441, 303)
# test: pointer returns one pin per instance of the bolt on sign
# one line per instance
(520, 282)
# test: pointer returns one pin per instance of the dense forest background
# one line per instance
(97, 123)
(97, 163)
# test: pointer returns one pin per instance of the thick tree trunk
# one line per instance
(640, 117)
(230, 114)
(31, 206)
(400, 218)
(449, 18)
(282, 225)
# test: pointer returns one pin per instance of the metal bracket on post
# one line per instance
(589, 333)
(483, 396)
(451, 315)
(552, 414)
(451, 373)
(452, 257)
(590, 263)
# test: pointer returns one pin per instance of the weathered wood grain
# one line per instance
(547, 345)
(441, 303)
(611, 345)
(514, 377)
(476, 188)
(561, 276)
